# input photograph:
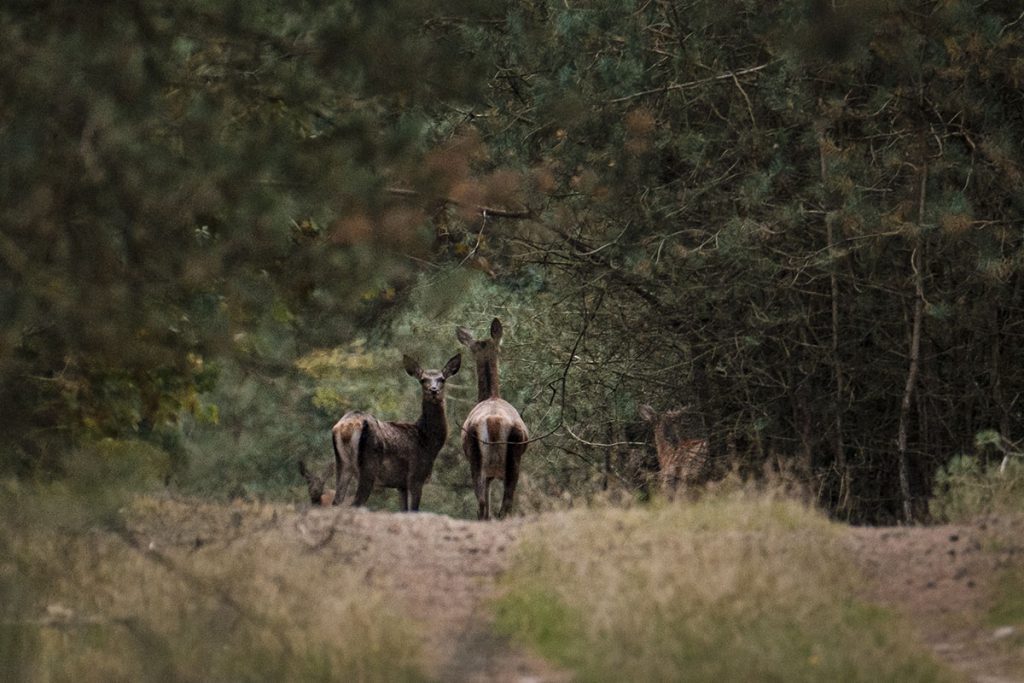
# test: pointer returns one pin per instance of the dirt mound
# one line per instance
(943, 579)
(442, 573)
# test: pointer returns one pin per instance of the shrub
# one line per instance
(967, 487)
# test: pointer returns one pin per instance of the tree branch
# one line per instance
(691, 84)
(485, 211)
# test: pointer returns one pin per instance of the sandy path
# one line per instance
(442, 572)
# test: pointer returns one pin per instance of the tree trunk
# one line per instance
(837, 368)
(915, 359)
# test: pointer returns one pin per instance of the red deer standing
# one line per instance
(494, 436)
(398, 455)
(683, 461)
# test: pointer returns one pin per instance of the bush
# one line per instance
(967, 488)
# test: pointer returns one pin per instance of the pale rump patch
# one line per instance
(494, 433)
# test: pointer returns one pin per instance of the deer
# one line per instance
(398, 455)
(494, 436)
(683, 461)
(318, 495)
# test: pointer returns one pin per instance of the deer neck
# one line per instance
(433, 424)
(487, 385)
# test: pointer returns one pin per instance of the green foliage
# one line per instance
(179, 179)
(736, 589)
(967, 488)
(725, 206)
(733, 221)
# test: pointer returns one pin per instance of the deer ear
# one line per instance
(412, 367)
(452, 366)
(464, 336)
(496, 329)
(646, 413)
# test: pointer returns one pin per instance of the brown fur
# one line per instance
(397, 455)
(684, 461)
(494, 436)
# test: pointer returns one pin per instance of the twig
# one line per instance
(485, 211)
(690, 84)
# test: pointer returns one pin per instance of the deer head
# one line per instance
(432, 381)
(483, 345)
(485, 352)
(318, 495)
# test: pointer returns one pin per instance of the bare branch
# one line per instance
(690, 84)
(485, 211)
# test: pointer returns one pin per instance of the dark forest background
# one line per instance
(221, 224)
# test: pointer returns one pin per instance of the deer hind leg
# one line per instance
(513, 456)
(368, 459)
(415, 492)
(403, 499)
(338, 494)
(484, 496)
(364, 488)
(349, 440)
(471, 449)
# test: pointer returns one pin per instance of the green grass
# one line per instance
(734, 589)
(1008, 600)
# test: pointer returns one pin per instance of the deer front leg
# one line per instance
(403, 499)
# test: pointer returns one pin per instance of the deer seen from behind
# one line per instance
(683, 457)
(494, 436)
(398, 455)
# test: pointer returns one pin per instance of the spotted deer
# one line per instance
(494, 436)
(398, 455)
(683, 458)
(318, 495)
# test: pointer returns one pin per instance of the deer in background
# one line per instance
(494, 436)
(683, 461)
(398, 455)
(318, 495)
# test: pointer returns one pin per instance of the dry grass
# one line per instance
(734, 588)
(164, 590)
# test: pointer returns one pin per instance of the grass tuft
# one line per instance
(164, 590)
(733, 588)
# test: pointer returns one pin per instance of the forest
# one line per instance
(799, 224)
(223, 226)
